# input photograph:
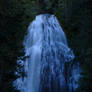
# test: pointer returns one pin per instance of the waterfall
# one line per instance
(47, 54)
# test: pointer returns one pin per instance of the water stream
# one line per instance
(49, 64)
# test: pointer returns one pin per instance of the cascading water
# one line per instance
(47, 54)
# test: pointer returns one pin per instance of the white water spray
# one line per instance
(47, 52)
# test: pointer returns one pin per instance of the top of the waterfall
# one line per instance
(43, 17)
(47, 23)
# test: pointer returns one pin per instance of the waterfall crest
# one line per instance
(47, 53)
